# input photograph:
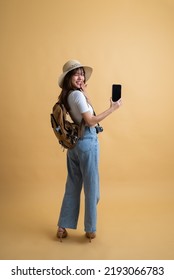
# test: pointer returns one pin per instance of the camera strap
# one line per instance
(88, 102)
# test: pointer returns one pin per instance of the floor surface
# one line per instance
(135, 222)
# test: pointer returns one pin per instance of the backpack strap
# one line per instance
(82, 128)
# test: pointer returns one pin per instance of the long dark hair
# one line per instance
(67, 87)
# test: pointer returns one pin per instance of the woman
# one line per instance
(82, 160)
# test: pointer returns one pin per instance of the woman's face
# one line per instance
(78, 78)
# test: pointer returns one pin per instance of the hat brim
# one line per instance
(88, 72)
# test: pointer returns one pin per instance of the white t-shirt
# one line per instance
(78, 105)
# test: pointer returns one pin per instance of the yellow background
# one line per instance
(126, 41)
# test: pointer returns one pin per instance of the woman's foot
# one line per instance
(61, 233)
(90, 235)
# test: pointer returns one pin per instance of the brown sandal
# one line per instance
(90, 235)
(61, 233)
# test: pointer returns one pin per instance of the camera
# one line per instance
(99, 129)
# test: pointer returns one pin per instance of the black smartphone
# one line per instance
(116, 92)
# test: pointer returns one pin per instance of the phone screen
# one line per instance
(116, 92)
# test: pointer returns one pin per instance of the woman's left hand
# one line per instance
(84, 87)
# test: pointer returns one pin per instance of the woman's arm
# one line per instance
(92, 120)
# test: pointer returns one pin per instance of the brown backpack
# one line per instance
(66, 131)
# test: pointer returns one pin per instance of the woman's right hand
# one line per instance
(115, 105)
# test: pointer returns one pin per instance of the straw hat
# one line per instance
(71, 65)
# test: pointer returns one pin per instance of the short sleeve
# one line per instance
(80, 101)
